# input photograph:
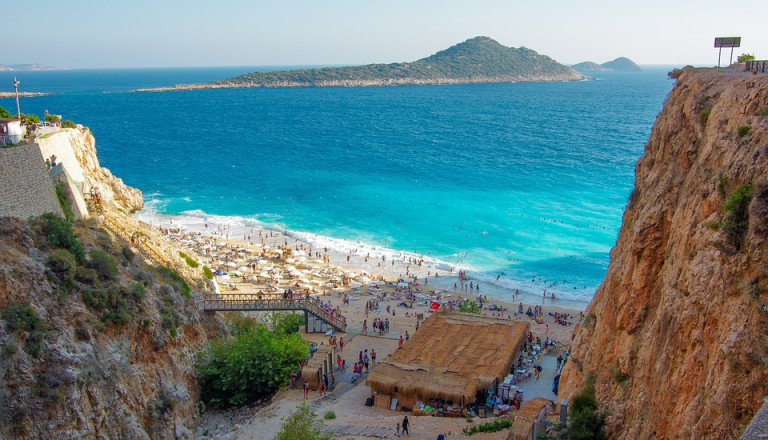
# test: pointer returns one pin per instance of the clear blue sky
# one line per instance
(158, 33)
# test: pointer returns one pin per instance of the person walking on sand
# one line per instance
(405, 426)
(306, 390)
(397, 430)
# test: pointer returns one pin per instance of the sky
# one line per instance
(171, 33)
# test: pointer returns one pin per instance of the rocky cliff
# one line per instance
(676, 333)
(103, 345)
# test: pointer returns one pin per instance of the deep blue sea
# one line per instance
(528, 179)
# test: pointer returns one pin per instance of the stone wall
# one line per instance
(26, 190)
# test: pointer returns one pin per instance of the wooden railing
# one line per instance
(264, 302)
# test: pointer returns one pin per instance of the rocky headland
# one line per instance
(477, 60)
(623, 64)
(675, 337)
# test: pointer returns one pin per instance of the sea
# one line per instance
(521, 185)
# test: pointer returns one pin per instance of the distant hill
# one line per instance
(477, 60)
(27, 67)
(620, 64)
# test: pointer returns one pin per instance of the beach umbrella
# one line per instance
(234, 272)
(265, 275)
(244, 269)
(231, 264)
(355, 285)
(290, 260)
(364, 280)
(402, 284)
(263, 262)
(278, 276)
(219, 272)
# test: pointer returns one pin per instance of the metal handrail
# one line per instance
(253, 301)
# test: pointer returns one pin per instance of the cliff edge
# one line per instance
(676, 333)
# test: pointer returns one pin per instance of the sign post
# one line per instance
(721, 42)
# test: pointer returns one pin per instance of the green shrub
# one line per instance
(66, 206)
(30, 118)
(127, 254)
(104, 264)
(469, 307)
(172, 276)
(63, 264)
(704, 116)
(586, 422)
(495, 426)
(251, 365)
(86, 275)
(763, 111)
(190, 262)
(5, 113)
(301, 424)
(22, 317)
(59, 233)
(68, 124)
(744, 129)
(329, 415)
(137, 290)
(736, 221)
(207, 272)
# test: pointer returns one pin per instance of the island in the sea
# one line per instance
(28, 67)
(477, 60)
(623, 64)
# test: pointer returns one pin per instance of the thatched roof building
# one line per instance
(529, 420)
(451, 357)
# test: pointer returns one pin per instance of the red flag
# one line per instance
(434, 305)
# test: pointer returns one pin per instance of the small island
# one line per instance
(622, 64)
(28, 67)
(477, 60)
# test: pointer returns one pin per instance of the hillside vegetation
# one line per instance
(479, 59)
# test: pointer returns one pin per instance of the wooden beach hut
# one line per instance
(450, 358)
(529, 421)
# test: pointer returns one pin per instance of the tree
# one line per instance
(469, 307)
(745, 57)
(253, 364)
(301, 425)
(30, 119)
(5, 113)
(51, 118)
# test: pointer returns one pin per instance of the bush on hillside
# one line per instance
(207, 272)
(173, 277)
(104, 264)
(63, 264)
(68, 124)
(586, 421)
(59, 233)
(736, 221)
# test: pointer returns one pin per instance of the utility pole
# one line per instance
(16, 87)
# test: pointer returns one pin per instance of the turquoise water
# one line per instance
(528, 179)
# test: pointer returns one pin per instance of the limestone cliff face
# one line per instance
(76, 149)
(676, 333)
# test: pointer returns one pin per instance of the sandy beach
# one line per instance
(347, 283)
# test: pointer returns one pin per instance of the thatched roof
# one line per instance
(453, 355)
(531, 409)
